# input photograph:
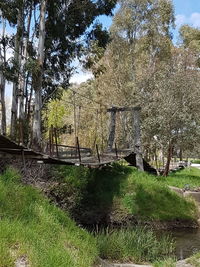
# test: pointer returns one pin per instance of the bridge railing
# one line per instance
(68, 152)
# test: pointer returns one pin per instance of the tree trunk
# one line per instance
(137, 138)
(169, 157)
(22, 75)
(112, 128)
(2, 84)
(181, 154)
(18, 40)
(37, 135)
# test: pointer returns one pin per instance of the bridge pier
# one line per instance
(136, 144)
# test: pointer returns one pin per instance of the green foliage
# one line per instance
(188, 176)
(56, 112)
(133, 245)
(190, 37)
(33, 228)
(196, 161)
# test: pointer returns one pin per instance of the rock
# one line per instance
(183, 263)
(177, 190)
(103, 263)
(22, 262)
(194, 195)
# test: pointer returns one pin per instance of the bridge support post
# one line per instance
(137, 138)
(112, 127)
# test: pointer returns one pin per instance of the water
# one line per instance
(187, 242)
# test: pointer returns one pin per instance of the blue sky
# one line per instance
(187, 7)
(186, 11)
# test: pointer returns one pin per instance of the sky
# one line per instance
(186, 11)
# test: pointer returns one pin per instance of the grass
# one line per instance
(196, 161)
(189, 177)
(31, 227)
(121, 191)
(169, 262)
(136, 245)
(195, 260)
(147, 197)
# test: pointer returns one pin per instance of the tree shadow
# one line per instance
(98, 195)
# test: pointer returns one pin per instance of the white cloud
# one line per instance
(180, 20)
(81, 77)
(193, 20)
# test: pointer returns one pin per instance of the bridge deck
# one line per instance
(10, 148)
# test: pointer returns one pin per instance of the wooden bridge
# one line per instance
(63, 155)
(69, 155)
(55, 153)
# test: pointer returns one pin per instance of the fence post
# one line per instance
(137, 138)
(78, 147)
(112, 127)
(98, 155)
(116, 152)
(56, 141)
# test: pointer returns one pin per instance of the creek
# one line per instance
(187, 242)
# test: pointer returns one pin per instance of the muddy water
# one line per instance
(187, 242)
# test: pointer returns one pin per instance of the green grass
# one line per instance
(189, 177)
(31, 227)
(195, 260)
(136, 245)
(92, 195)
(197, 161)
(148, 197)
(169, 262)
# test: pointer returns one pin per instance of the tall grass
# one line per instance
(133, 245)
(31, 227)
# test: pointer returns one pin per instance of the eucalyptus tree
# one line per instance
(2, 75)
(65, 23)
(49, 36)
(140, 35)
(171, 113)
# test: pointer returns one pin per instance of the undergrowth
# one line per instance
(136, 245)
(30, 227)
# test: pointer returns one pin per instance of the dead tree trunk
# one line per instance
(169, 157)
(37, 135)
(112, 128)
(137, 138)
